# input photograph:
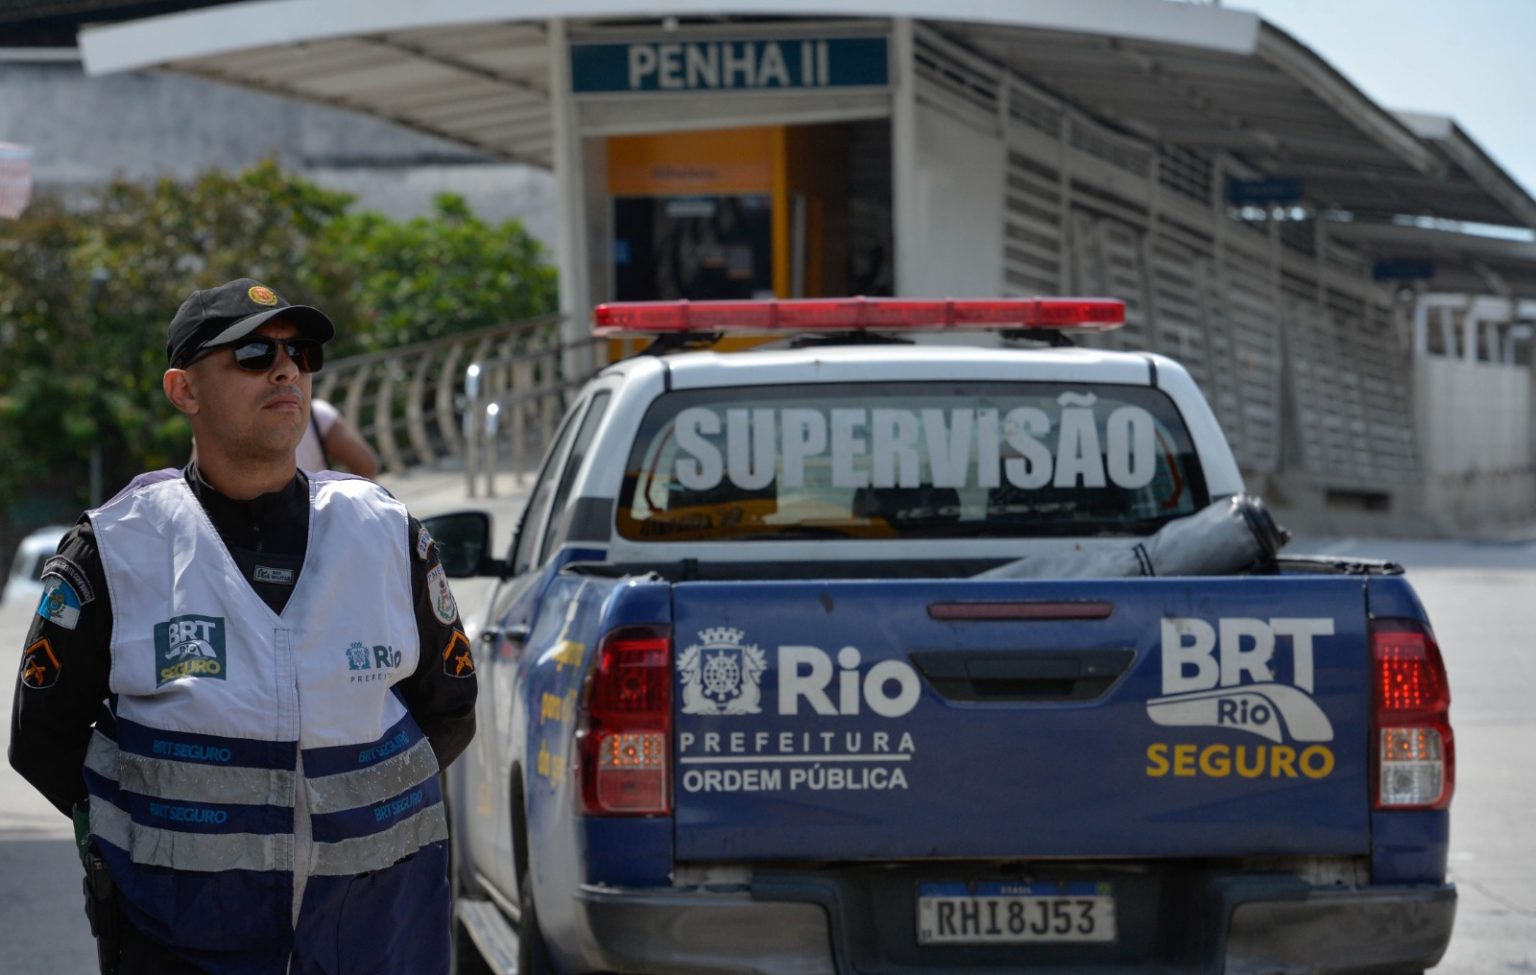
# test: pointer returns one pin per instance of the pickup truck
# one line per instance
(749, 704)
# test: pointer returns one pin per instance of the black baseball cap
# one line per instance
(219, 316)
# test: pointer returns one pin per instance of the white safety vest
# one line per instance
(253, 755)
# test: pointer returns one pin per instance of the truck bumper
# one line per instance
(704, 931)
(1326, 931)
(1404, 929)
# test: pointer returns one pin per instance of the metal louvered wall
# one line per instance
(1249, 315)
(1107, 260)
(1034, 240)
(1277, 324)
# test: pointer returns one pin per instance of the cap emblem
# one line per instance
(262, 295)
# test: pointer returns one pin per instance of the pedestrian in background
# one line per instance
(254, 675)
(329, 439)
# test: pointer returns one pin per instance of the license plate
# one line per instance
(1015, 913)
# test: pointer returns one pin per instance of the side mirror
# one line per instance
(464, 543)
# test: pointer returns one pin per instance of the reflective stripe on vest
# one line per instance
(375, 852)
(373, 785)
(190, 852)
(170, 779)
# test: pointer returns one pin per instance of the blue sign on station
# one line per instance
(1402, 270)
(1263, 191)
(723, 65)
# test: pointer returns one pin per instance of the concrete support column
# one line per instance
(1420, 329)
(906, 193)
(570, 206)
(1447, 320)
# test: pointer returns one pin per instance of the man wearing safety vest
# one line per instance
(254, 676)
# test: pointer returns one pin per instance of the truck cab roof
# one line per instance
(864, 362)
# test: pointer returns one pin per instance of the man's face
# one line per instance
(261, 415)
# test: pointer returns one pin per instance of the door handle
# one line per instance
(1023, 676)
(515, 633)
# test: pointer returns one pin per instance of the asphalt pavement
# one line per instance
(42, 912)
(1481, 600)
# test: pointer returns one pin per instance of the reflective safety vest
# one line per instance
(262, 797)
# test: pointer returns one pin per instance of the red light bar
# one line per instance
(857, 314)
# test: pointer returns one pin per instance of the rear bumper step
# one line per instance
(491, 933)
(810, 925)
(1403, 929)
(1195, 922)
(701, 930)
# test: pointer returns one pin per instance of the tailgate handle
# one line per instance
(1023, 675)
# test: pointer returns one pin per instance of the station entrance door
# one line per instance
(769, 211)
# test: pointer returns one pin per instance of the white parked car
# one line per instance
(25, 579)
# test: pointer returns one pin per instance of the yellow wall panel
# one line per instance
(708, 163)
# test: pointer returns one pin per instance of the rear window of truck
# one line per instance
(908, 460)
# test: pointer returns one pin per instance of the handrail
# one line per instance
(409, 402)
(519, 400)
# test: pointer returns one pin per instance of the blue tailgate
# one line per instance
(1171, 717)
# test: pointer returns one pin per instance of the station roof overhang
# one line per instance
(1454, 260)
(1210, 78)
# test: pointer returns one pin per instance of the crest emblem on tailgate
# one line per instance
(720, 674)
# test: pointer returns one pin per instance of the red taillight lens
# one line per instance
(1415, 756)
(625, 739)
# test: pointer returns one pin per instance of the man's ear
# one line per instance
(180, 390)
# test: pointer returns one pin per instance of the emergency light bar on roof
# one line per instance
(857, 314)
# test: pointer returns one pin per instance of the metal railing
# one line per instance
(514, 406)
(411, 402)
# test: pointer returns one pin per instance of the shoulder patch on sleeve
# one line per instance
(457, 660)
(39, 667)
(423, 543)
(69, 570)
(443, 605)
(60, 604)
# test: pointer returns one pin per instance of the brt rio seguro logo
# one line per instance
(190, 646)
(1227, 676)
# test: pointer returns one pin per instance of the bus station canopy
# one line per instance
(1216, 79)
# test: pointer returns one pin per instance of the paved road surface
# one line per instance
(1482, 598)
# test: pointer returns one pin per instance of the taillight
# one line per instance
(1415, 756)
(625, 739)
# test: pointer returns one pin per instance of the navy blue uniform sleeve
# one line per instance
(64, 672)
(441, 692)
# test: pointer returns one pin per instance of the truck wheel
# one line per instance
(532, 953)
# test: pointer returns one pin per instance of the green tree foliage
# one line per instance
(404, 282)
(85, 295)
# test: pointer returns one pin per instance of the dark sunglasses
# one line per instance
(257, 353)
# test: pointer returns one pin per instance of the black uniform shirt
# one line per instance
(66, 663)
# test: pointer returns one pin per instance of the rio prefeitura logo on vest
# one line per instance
(189, 646)
(380, 661)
